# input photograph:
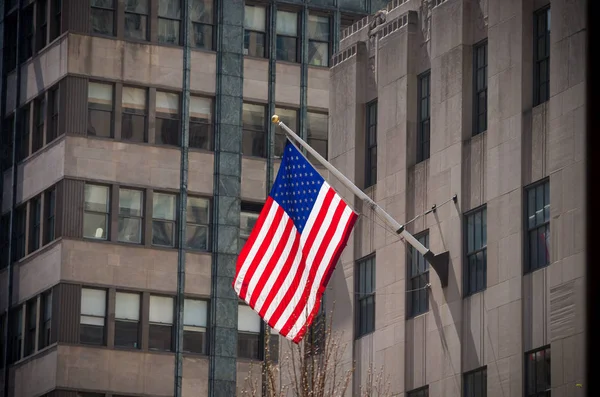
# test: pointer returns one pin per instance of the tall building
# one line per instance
(92, 114)
(484, 100)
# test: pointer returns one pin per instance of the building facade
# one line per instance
(485, 100)
(92, 115)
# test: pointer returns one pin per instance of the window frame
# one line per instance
(468, 288)
(264, 131)
(423, 238)
(20, 250)
(24, 133)
(52, 131)
(41, 29)
(146, 31)
(328, 42)
(17, 326)
(423, 143)
(478, 127)
(194, 330)
(528, 266)
(251, 337)
(126, 111)
(140, 217)
(40, 110)
(546, 349)
(174, 222)
(309, 140)
(107, 214)
(111, 133)
(209, 124)
(178, 118)
(45, 325)
(30, 327)
(35, 224)
(56, 21)
(298, 52)
(371, 132)
(114, 20)
(360, 296)
(193, 224)
(212, 26)
(279, 133)
(419, 392)
(264, 33)
(156, 324)
(469, 375)
(179, 35)
(544, 12)
(138, 323)
(28, 48)
(104, 318)
(248, 208)
(49, 216)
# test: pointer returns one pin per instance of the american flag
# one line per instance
(284, 267)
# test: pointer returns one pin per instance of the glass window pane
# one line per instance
(539, 205)
(254, 44)
(200, 109)
(100, 96)
(161, 309)
(470, 234)
(95, 226)
(195, 312)
(167, 131)
(102, 21)
(248, 319)
(163, 206)
(130, 230)
(130, 202)
(477, 225)
(93, 302)
(531, 208)
(317, 125)
(169, 9)
(287, 23)
(202, 11)
(286, 48)
(163, 233)
(102, 3)
(134, 100)
(289, 117)
(280, 141)
(200, 136)
(136, 26)
(255, 18)
(484, 227)
(96, 198)
(197, 210)
(99, 123)
(137, 6)
(167, 104)
(547, 202)
(168, 31)
(203, 36)
(133, 127)
(318, 53)
(253, 116)
(318, 27)
(533, 249)
(127, 306)
(197, 237)
(247, 222)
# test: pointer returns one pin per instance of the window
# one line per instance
(197, 223)
(102, 17)
(6, 146)
(167, 118)
(24, 134)
(133, 122)
(136, 19)
(318, 40)
(54, 97)
(202, 23)
(418, 278)
(254, 130)
(39, 110)
(27, 33)
(100, 108)
(541, 56)
(423, 128)
(161, 322)
(290, 117)
(131, 209)
(2, 347)
(537, 373)
(55, 24)
(4, 240)
(287, 36)
(316, 334)
(317, 128)
(195, 314)
(42, 24)
(480, 84)
(371, 155)
(538, 226)
(422, 392)
(50, 215)
(127, 319)
(365, 296)
(17, 335)
(93, 316)
(169, 20)
(35, 223)
(31, 313)
(20, 226)
(163, 219)
(249, 330)
(476, 248)
(201, 131)
(476, 383)
(96, 210)
(45, 319)
(255, 19)
(10, 42)
(248, 217)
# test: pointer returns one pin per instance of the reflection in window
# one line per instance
(476, 264)
(96, 209)
(290, 118)
(163, 219)
(537, 373)
(317, 126)
(318, 40)
(203, 23)
(131, 204)
(418, 278)
(161, 323)
(538, 226)
(100, 108)
(133, 122)
(201, 131)
(127, 319)
(254, 130)
(255, 18)
(102, 16)
(195, 315)
(197, 223)
(136, 19)
(287, 36)
(93, 316)
(167, 118)
(169, 21)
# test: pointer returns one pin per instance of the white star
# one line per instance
(303, 165)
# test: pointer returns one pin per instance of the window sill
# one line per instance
(29, 257)
(363, 335)
(35, 355)
(43, 149)
(288, 62)
(415, 316)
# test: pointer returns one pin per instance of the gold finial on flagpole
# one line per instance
(275, 119)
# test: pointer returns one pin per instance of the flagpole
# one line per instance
(439, 262)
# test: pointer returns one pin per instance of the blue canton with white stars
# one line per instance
(297, 186)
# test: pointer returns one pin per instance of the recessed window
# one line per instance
(254, 130)
(423, 110)
(163, 219)
(127, 320)
(421, 392)
(317, 127)
(4, 240)
(133, 122)
(50, 215)
(7, 142)
(203, 23)
(2, 346)
(249, 330)
(538, 226)
(102, 17)
(35, 223)
(100, 109)
(31, 313)
(371, 155)
(537, 373)
(169, 21)
(476, 244)
(39, 110)
(54, 106)
(93, 316)
(541, 56)
(24, 133)
(20, 226)
(45, 319)
(161, 323)
(55, 23)
(475, 383)
(136, 19)
(290, 118)
(195, 315)
(318, 40)
(27, 33)
(42, 23)
(287, 36)
(16, 343)
(167, 118)
(131, 210)
(255, 18)
(365, 296)
(96, 210)
(480, 55)
(201, 131)
(418, 278)
(197, 223)
(10, 42)
(248, 219)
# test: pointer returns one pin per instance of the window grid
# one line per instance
(164, 224)
(290, 117)
(50, 214)
(127, 319)
(197, 225)
(17, 332)
(538, 372)
(92, 321)
(6, 159)
(254, 132)
(96, 213)
(475, 383)
(255, 37)
(31, 323)
(423, 128)
(371, 155)
(201, 124)
(134, 116)
(418, 278)
(541, 56)
(24, 134)
(317, 133)
(4, 240)
(422, 392)
(55, 26)
(19, 241)
(161, 330)
(54, 98)
(476, 249)
(102, 17)
(194, 326)
(250, 332)
(203, 23)
(167, 118)
(27, 48)
(365, 296)
(100, 109)
(42, 22)
(136, 20)
(287, 43)
(35, 223)
(480, 57)
(169, 22)
(319, 51)
(40, 118)
(131, 217)
(538, 226)
(45, 320)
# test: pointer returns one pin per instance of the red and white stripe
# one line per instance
(282, 273)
